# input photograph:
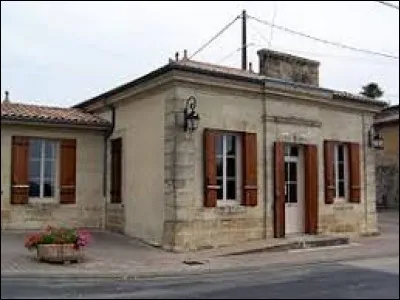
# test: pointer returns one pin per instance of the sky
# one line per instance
(62, 53)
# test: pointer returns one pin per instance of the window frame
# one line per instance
(43, 159)
(289, 158)
(238, 168)
(345, 178)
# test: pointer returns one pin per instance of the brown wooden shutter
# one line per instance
(210, 180)
(354, 172)
(311, 188)
(279, 190)
(249, 143)
(19, 170)
(68, 171)
(329, 151)
(116, 171)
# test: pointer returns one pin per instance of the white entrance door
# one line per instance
(294, 200)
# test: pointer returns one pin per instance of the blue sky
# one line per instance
(62, 53)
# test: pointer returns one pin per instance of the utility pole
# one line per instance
(244, 40)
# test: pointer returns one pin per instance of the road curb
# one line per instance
(181, 273)
(320, 243)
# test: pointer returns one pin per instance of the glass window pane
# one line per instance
(49, 149)
(35, 147)
(49, 167)
(286, 171)
(287, 150)
(34, 169)
(230, 145)
(293, 172)
(220, 190)
(231, 167)
(341, 171)
(218, 144)
(219, 166)
(341, 188)
(231, 190)
(294, 151)
(293, 193)
(34, 187)
(340, 152)
(286, 192)
(48, 189)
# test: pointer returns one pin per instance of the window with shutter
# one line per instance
(210, 180)
(42, 168)
(68, 171)
(342, 171)
(250, 169)
(279, 189)
(354, 172)
(329, 164)
(311, 188)
(19, 170)
(230, 168)
(35, 170)
(116, 170)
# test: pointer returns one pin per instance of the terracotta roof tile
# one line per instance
(47, 114)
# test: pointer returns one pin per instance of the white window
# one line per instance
(228, 161)
(341, 171)
(291, 173)
(42, 168)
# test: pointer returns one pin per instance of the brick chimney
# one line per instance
(288, 67)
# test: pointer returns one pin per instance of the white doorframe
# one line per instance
(294, 182)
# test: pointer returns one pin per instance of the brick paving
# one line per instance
(114, 255)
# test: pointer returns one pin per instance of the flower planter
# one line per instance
(59, 253)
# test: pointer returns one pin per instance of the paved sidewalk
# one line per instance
(114, 255)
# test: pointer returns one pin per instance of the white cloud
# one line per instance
(65, 52)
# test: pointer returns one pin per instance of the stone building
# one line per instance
(387, 160)
(271, 154)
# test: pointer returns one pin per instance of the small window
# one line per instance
(341, 167)
(291, 176)
(42, 168)
(228, 167)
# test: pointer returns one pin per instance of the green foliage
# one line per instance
(372, 90)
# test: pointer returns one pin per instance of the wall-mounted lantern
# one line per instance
(191, 117)
(375, 138)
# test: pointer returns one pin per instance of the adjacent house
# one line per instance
(194, 155)
(387, 160)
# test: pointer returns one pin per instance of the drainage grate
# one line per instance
(193, 262)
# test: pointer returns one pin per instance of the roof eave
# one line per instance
(53, 123)
(160, 71)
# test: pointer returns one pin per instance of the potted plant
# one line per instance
(58, 244)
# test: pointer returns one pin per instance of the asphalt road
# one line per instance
(362, 279)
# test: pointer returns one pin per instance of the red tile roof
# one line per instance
(47, 114)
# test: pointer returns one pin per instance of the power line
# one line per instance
(234, 52)
(323, 40)
(388, 4)
(271, 36)
(214, 37)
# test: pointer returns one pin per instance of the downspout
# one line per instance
(365, 147)
(265, 149)
(107, 135)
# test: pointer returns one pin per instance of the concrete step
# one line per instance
(293, 243)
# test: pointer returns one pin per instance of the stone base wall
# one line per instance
(38, 215)
(206, 234)
(115, 217)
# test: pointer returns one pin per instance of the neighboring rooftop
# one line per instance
(388, 115)
(45, 114)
